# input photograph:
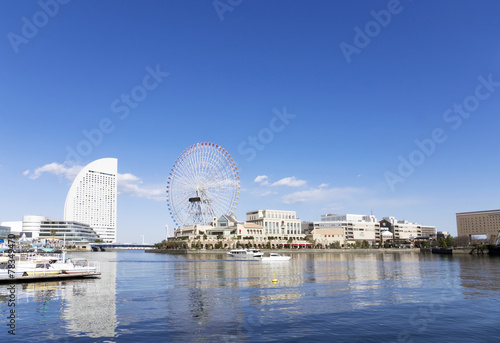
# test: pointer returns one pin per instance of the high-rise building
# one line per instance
(478, 223)
(92, 198)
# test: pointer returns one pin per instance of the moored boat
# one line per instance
(40, 269)
(275, 257)
(246, 253)
(445, 251)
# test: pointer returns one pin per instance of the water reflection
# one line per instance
(85, 307)
(90, 305)
(213, 298)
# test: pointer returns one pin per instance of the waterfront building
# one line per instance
(224, 227)
(92, 198)
(228, 231)
(4, 232)
(402, 230)
(428, 231)
(16, 227)
(325, 237)
(283, 224)
(478, 223)
(355, 227)
(40, 227)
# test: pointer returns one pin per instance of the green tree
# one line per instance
(450, 241)
(442, 242)
(387, 245)
(160, 245)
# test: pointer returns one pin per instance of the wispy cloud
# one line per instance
(262, 179)
(127, 183)
(290, 182)
(132, 185)
(55, 169)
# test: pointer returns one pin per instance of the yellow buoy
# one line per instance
(274, 280)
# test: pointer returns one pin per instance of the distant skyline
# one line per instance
(383, 107)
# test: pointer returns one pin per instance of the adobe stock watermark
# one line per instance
(265, 136)
(223, 6)
(122, 107)
(454, 115)
(31, 26)
(363, 36)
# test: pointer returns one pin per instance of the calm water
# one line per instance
(356, 297)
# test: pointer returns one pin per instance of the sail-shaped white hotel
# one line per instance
(92, 198)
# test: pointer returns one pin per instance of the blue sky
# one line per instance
(363, 81)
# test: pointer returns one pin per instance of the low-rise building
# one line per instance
(262, 228)
(41, 227)
(325, 237)
(16, 227)
(4, 232)
(355, 227)
(403, 230)
(428, 231)
(276, 223)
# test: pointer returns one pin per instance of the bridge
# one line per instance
(120, 246)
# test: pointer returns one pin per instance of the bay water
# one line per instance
(318, 297)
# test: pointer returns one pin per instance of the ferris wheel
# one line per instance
(203, 184)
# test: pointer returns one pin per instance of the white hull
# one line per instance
(245, 253)
(275, 257)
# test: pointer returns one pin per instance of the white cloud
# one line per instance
(130, 184)
(322, 194)
(289, 181)
(323, 185)
(55, 169)
(262, 179)
(127, 183)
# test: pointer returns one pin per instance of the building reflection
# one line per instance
(90, 304)
(478, 274)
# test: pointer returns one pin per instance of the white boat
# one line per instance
(77, 266)
(48, 267)
(245, 253)
(275, 257)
